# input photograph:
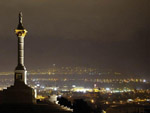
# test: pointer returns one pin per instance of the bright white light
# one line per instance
(73, 85)
(148, 99)
(55, 89)
(43, 87)
(144, 80)
(38, 85)
(59, 95)
(84, 91)
(35, 93)
(108, 89)
(129, 100)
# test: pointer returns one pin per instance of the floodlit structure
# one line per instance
(20, 98)
(20, 71)
(20, 92)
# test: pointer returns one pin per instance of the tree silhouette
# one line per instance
(64, 101)
(80, 106)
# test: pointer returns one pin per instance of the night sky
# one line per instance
(109, 34)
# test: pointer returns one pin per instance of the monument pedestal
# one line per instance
(20, 93)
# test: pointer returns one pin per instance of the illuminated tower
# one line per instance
(20, 92)
(20, 71)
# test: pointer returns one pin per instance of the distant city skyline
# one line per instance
(106, 34)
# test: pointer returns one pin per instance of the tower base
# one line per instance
(20, 93)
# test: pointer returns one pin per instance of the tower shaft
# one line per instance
(20, 51)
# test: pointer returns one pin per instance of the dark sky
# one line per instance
(110, 34)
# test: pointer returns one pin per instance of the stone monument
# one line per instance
(20, 92)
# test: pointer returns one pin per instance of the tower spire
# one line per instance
(20, 17)
(20, 25)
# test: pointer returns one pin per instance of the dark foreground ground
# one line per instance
(34, 108)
